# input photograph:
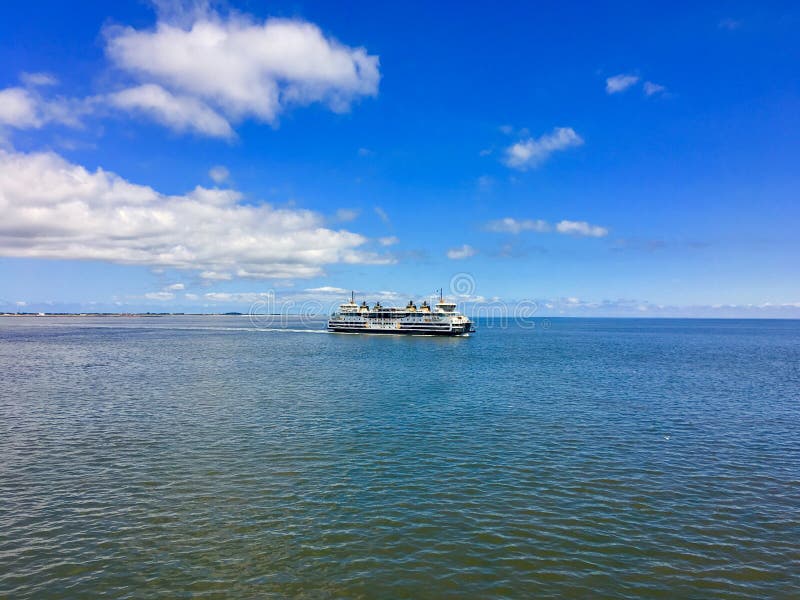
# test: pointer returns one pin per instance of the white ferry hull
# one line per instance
(373, 329)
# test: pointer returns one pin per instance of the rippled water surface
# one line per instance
(204, 457)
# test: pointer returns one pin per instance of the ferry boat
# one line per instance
(440, 319)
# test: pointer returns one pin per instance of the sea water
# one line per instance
(214, 457)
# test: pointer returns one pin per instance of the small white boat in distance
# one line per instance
(441, 319)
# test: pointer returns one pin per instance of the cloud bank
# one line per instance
(55, 209)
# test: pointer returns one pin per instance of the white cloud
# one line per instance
(160, 296)
(23, 108)
(464, 251)
(327, 289)
(191, 297)
(385, 295)
(344, 215)
(238, 296)
(18, 108)
(515, 226)
(620, 83)
(324, 299)
(208, 72)
(58, 210)
(389, 240)
(175, 287)
(215, 276)
(531, 152)
(246, 68)
(651, 88)
(365, 152)
(581, 228)
(38, 79)
(181, 113)
(509, 225)
(320, 300)
(219, 173)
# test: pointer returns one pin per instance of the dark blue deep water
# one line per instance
(206, 457)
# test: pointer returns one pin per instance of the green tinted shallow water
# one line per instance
(202, 457)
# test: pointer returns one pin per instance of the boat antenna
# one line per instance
(352, 296)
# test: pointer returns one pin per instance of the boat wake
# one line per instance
(291, 330)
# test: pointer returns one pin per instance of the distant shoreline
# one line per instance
(147, 314)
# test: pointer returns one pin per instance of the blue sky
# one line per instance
(632, 159)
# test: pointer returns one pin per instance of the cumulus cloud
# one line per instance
(18, 109)
(175, 287)
(651, 88)
(59, 210)
(531, 152)
(509, 225)
(581, 228)
(389, 240)
(464, 251)
(24, 108)
(620, 83)
(515, 226)
(219, 174)
(181, 113)
(242, 68)
(202, 72)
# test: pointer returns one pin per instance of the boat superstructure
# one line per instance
(440, 319)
